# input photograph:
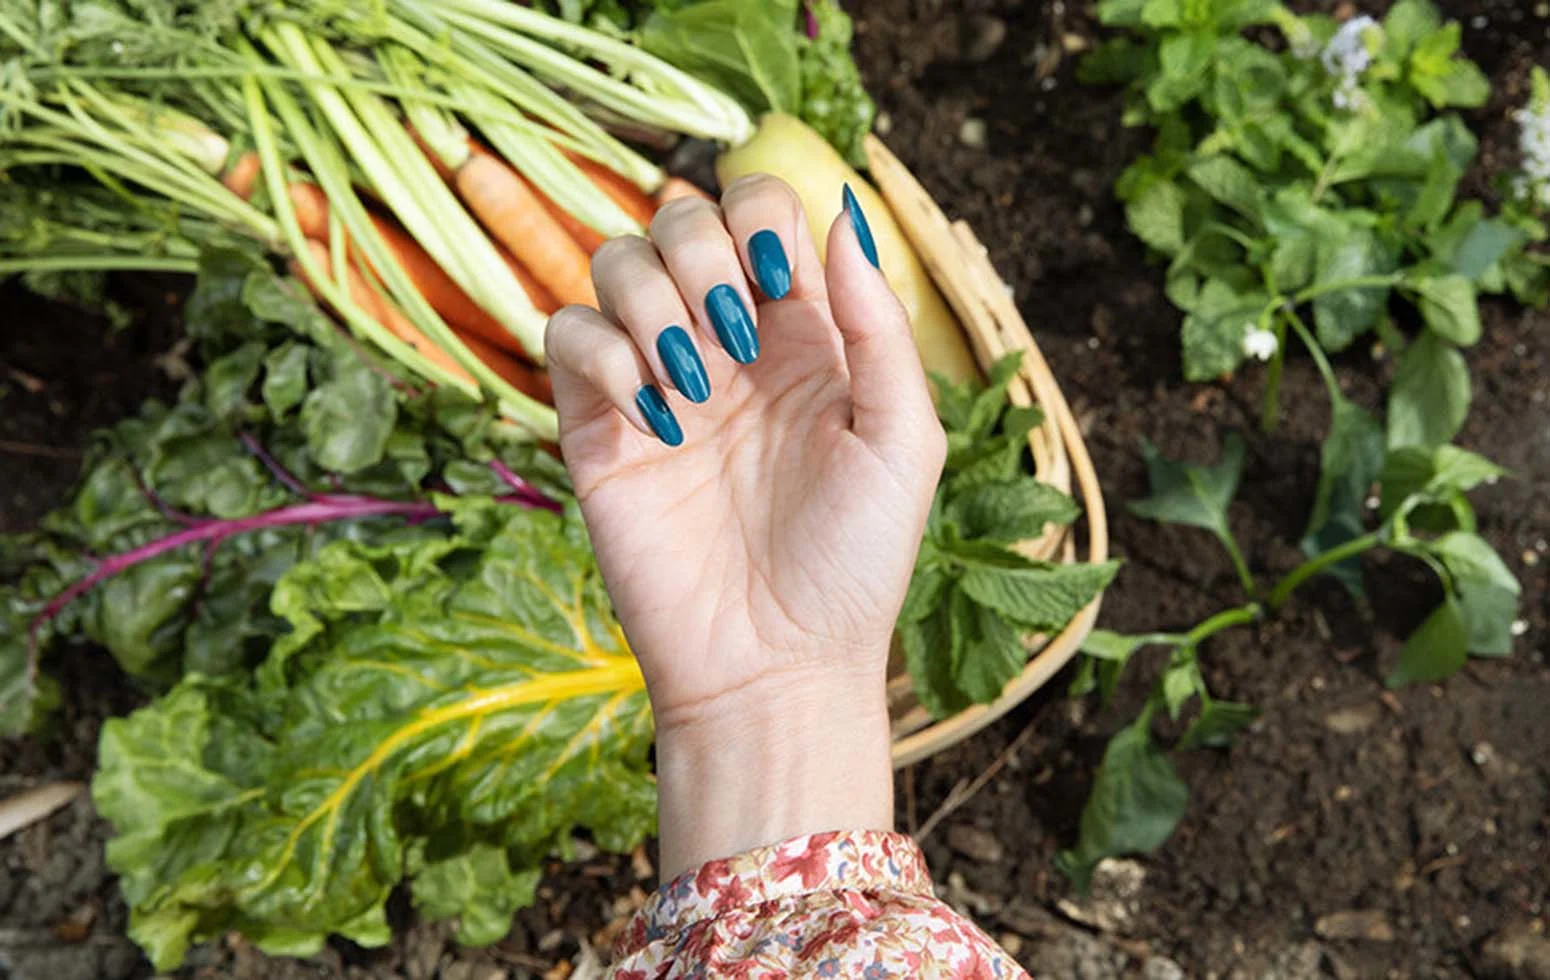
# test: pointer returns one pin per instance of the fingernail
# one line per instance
(770, 265)
(659, 415)
(733, 324)
(863, 230)
(683, 364)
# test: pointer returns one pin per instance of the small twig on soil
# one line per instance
(32, 449)
(963, 793)
(33, 384)
(27, 808)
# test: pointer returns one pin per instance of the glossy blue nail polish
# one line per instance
(770, 266)
(659, 415)
(734, 327)
(683, 364)
(863, 230)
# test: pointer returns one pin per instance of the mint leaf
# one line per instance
(933, 648)
(1344, 314)
(1136, 802)
(1214, 330)
(1431, 394)
(1230, 183)
(1012, 511)
(1437, 649)
(993, 654)
(1040, 596)
(1156, 215)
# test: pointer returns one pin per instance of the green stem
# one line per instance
(1359, 282)
(1227, 619)
(1238, 563)
(1314, 351)
(1271, 411)
(1284, 589)
(99, 263)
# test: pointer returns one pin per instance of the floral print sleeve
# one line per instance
(829, 905)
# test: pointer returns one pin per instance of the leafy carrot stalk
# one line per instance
(384, 311)
(635, 202)
(676, 188)
(589, 238)
(242, 177)
(512, 212)
(446, 297)
(519, 374)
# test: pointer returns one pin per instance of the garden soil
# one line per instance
(1351, 833)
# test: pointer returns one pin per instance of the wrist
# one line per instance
(797, 753)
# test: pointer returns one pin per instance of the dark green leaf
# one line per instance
(1344, 314)
(1041, 596)
(1215, 328)
(1350, 461)
(1486, 588)
(1217, 725)
(1431, 394)
(1450, 308)
(285, 378)
(1437, 649)
(1136, 801)
(1197, 496)
(932, 649)
(1229, 182)
(1009, 512)
(993, 654)
(928, 589)
(1484, 246)
(1433, 475)
(1181, 681)
(747, 49)
(1156, 215)
(349, 419)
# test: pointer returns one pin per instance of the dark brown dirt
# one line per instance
(1423, 813)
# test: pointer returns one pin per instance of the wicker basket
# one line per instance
(962, 270)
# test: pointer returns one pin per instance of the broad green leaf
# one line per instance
(932, 649)
(1443, 79)
(1197, 496)
(1117, 61)
(1136, 802)
(1437, 649)
(1183, 61)
(1040, 596)
(993, 654)
(1009, 512)
(1409, 22)
(1344, 313)
(349, 419)
(1120, 13)
(927, 592)
(492, 704)
(1483, 247)
(1156, 215)
(1217, 725)
(477, 887)
(285, 378)
(1215, 328)
(1181, 681)
(1350, 461)
(1431, 394)
(1450, 307)
(1486, 588)
(1230, 183)
(746, 49)
(1432, 475)
(227, 380)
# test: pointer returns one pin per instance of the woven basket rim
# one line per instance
(961, 268)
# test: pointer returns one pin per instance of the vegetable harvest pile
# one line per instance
(345, 563)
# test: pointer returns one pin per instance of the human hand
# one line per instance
(755, 450)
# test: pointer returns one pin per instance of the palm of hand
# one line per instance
(773, 539)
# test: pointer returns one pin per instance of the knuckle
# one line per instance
(617, 254)
(681, 217)
(765, 190)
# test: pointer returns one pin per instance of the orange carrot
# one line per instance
(543, 300)
(630, 198)
(589, 238)
(385, 312)
(518, 373)
(677, 188)
(511, 211)
(445, 296)
(242, 177)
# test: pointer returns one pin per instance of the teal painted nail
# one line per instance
(659, 415)
(770, 266)
(683, 364)
(863, 230)
(734, 326)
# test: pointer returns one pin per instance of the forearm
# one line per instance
(794, 754)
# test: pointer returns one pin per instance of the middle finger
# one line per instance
(694, 242)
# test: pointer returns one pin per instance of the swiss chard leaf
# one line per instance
(489, 709)
(1431, 394)
(1196, 496)
(1437, 648)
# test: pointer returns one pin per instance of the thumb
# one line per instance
(891, 400)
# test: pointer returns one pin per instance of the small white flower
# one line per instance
(1533, 184)
(1260, 344)
(1519, 627)
(1346, 56)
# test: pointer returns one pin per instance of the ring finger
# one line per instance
(635, 290)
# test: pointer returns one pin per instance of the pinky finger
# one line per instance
(597, 370)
